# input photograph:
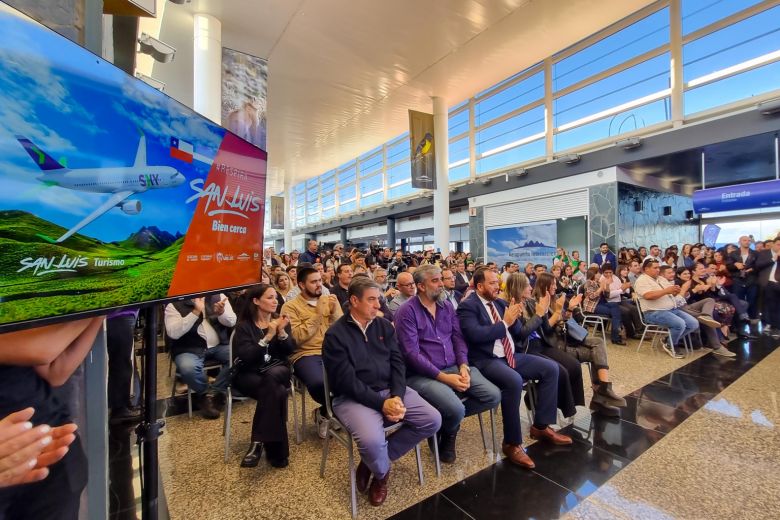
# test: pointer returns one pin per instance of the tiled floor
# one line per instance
(614, 470)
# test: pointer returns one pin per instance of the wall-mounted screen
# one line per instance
(113, 194)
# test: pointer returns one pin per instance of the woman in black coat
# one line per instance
(261, 344)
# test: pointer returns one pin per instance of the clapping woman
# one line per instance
(261, 344)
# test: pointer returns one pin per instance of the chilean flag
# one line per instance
(181, 150)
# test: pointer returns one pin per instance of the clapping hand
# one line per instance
(543, 305)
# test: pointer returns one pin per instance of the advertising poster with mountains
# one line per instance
(113, 193)
(522, 243)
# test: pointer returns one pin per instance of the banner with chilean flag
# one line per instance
(181, 150)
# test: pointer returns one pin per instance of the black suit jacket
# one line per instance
(763, 266)
(738, 275)
(460, 284)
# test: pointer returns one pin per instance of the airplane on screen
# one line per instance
(120, 183)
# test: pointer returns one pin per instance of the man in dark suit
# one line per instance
(769, 282)
(604, 256)
(741, 266)
(451, 293)
(492, 330)
(462, 277)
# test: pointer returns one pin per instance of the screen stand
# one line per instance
(150, 429)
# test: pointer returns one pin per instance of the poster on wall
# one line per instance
(423, 151)
(533, 242)
(277, 212)
(114, 194)
(244, 94)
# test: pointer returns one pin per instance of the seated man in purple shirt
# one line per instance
(437, 359)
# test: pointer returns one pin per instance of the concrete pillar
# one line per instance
(343, 235)
(403, 245)
(207, 57)
(391, 233)
(288, 216)
(441, 195)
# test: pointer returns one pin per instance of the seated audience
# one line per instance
(369, 388)
(343, 278)
(659, 306)
(405, 286)
(492, 332)
(311, 313)
(451, 294)
(199, 330)
(593, 351)
(603, 295)
(437, 358)
(261, 343)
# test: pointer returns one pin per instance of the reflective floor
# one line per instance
(697, 440)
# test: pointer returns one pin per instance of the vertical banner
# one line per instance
(534, 242)
(277, 212)
(423, 152)
(244, 93)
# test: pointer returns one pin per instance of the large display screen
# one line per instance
(112, 194)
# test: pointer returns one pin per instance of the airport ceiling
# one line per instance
(343, 73)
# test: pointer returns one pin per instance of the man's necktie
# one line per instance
(508, 352)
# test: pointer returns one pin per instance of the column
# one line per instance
(343, 236)
(207, 78)
(288, 216)
(441, 195)
(391, 233)
(403, 245)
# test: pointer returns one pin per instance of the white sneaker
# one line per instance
(722, 351)
(669, 350)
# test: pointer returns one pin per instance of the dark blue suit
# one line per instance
(481, 334)
(611, 259)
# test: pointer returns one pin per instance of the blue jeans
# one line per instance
(366, 426)
(453, 406)
(190, 369)
(612, 309)
(510, 382)
(309, 370)
(678, 321)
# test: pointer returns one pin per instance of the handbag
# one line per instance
(576, 331)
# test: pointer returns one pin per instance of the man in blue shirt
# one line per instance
(311, 255)
(437, 359)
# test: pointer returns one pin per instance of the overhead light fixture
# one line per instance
(180, 2)
(571, 158)
(486, 182)
(408, 202)
(154, 83)
(392, 206)
(519, 173)
(769, 107)
(629, 144)
(158, 50)
(454, 190)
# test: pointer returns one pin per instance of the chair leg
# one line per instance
(228, 418)
(325, 446)
(189, 403)
(482, 432)
(295, 415)
(493, 432)
(419, 463)
(436, 460)
(303, 414)
(644, 333)
(352, 484)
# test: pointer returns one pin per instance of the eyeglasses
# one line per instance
(404, 284)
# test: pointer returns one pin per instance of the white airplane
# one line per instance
(119, 182)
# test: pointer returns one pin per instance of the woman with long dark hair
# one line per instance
(261, 344)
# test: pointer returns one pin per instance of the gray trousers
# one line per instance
(367, 428)
(705, 307)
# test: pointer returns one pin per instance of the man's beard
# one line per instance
(310, 296)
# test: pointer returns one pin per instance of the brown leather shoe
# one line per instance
(362, 477)
(517, 455)
(550, 435)
(377, 492)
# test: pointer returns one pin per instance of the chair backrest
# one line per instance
(635, 297)
(328, 395)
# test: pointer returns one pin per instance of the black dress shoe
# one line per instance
(279, 463)
(618, 342)
(447, 448)
(252, 457)
(603, 410)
